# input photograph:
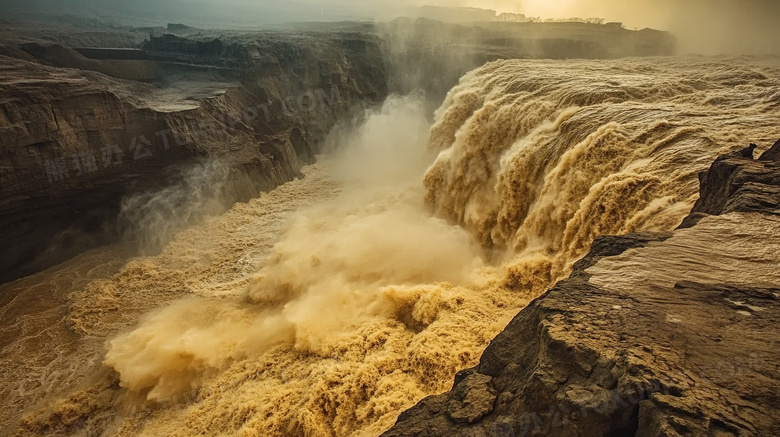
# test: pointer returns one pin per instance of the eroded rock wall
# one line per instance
(73, 143)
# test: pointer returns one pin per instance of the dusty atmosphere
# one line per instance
(447, 218)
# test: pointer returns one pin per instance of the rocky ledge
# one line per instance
(652, 334)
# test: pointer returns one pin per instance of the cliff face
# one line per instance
(301, 72)
(75, 142)
(651, 335)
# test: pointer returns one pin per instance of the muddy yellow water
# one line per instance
(331, 304)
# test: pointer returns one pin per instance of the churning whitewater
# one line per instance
(405, 260)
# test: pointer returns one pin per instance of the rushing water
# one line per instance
(331, 304)
(55, 322)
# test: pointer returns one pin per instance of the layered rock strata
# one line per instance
(73, 142)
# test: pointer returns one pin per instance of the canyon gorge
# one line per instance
(402, 228)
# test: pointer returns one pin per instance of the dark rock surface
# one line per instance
(651, 335)
(738, 183)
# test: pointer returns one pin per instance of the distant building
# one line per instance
(180, 28)
(513, 18)
(465, 15)
(455, 14)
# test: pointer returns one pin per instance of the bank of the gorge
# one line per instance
(652, 334)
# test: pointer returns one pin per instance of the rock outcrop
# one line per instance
(651, 335)
(737, 183)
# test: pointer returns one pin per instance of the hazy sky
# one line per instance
(703, 26)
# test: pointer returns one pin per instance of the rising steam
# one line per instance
(338, 266)
(153, 217)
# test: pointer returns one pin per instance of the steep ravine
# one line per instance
(75, 142)
(652, 334)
